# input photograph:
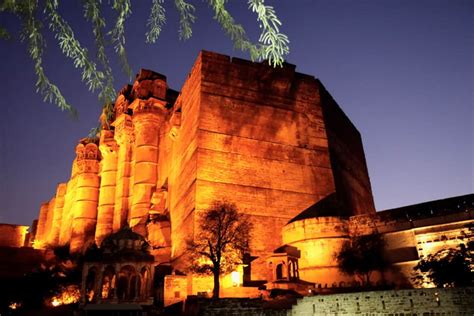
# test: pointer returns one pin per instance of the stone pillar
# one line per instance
(39, 242)
(58, 213)
(148, 116)
(124, 138)
(108, 177)
(84, 210)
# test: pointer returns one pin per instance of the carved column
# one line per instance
(58, 213)
(84, 209)
(108, 173)
(148, 116)
(124, 138)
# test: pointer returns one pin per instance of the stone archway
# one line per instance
(108, 283)
(125, 290)
(279, 271)
(91, 285)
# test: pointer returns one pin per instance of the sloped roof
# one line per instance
(442, 207)
(328, 206)
(125, 233)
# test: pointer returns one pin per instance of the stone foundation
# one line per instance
(448, 301)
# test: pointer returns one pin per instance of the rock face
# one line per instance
(270, 140)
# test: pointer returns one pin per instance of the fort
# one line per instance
(271, 140)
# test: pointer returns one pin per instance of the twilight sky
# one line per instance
(401, 70)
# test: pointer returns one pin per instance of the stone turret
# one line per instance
(148, 117)
(84, 209)
(108, 173)
(124, 137)
(57, 214)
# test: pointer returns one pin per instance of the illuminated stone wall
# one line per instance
(271, 140)
(40, 236)
(449, 301)
(262, 144)
(347, 158)
(319, 239)
(432, 226)
(13, 235)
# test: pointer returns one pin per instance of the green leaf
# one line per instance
(4, 34)
(123, 9)
(187, 18)
(156, 21)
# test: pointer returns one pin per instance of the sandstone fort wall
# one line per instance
(13, 235)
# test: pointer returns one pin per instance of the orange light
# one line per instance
(14, 305)
(235, 276)
(69, 295)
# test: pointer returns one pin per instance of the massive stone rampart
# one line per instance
(270, 140)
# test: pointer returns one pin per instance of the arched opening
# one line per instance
(108, 283)
(134, 287)
(279, 271)
(91, 280)
(124, 288)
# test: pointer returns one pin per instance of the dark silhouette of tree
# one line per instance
(362, 256)
(447, 267)
(220, 243)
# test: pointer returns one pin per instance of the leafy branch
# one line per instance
(186, 18)
(272, 45)
(31, 32)
(124, 10)
(107, 94)
(275, 44)
(235, 31)
(71, 47)
(156, 21)
(4, 34)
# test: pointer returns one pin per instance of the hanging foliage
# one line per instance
(96, 70)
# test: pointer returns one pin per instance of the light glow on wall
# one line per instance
(236, 278)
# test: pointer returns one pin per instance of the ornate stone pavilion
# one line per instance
(120, 271)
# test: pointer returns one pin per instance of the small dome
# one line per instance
(124, 245)
(126, 233)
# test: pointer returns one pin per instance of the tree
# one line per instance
(362, 256)
(447, 268)
(96, 72)
(221, 241)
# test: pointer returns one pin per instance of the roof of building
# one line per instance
(328, 206)
(124, 245)
(125, 233)
(434, 208)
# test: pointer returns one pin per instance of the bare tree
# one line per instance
(221, 241)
